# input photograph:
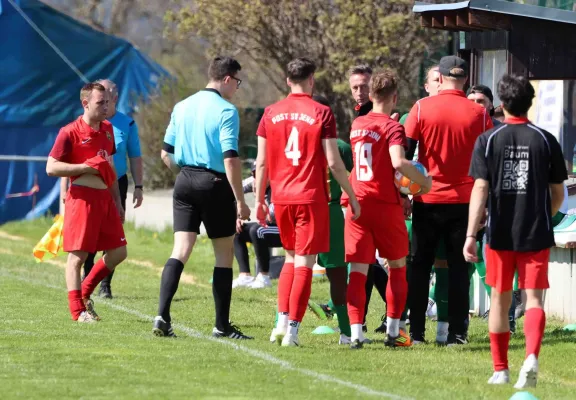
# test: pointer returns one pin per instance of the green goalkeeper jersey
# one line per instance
(335, 189)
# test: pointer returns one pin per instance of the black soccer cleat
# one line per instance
(105, 292)
(356, 344)
(456, 340)
(233, 332)
(162, 328)
(382, 328)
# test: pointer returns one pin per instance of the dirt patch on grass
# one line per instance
(185, 278)
(6, 235)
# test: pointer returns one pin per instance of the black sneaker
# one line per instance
(417, 338)
(382, 327)
(356, 344)
(162, 328)
(105, 292)
(233, 332)
(455, 340)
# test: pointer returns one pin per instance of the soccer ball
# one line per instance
(405, 185)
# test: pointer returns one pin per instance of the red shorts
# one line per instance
(91, 221)
(380, 227)
(304, 228)
(502, 264)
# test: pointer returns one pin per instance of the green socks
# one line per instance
(343, 320)
(441, 294)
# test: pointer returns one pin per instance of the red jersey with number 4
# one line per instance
(294, 129)
(371, 137)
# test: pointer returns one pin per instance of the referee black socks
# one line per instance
(222, 292)
(169, 285)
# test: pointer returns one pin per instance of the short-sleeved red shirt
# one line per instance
(77, 142)
(294, 129)
(446, 127)
(371, 137)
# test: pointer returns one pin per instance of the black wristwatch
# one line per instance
(139, 187)
(404, 196)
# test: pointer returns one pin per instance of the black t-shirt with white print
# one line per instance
(520, 161)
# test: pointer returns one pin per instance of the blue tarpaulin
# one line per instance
(41, 73)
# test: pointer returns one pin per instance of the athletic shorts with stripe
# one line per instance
(204, 196)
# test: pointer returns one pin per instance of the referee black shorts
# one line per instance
(204, 196)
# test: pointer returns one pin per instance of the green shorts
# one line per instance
(440, 250)
(335, 257)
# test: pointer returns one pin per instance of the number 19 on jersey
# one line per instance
(363, 165)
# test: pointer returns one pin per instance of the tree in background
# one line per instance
(336, 34)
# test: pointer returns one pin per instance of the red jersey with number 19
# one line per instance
(371, 137)
(294, 129)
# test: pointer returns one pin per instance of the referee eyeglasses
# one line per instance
(238, 81)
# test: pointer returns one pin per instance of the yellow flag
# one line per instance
(52, 242)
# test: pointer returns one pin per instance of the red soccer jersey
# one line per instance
(371, 137)
(294, 129)
(77, 142)
(446, 127)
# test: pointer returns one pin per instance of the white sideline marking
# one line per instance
(254, 353)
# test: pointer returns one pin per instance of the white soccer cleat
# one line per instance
(500, 378)
(242, 281)
(86, 317)
(261, 282)
(344, 339)
(278, 334)
(290, 340)
(528, 374)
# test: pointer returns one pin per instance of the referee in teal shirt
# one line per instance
(201, 146)
(127, 146)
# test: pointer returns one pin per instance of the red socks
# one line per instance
(499, 347)
(285, 287)
(99, 271)
(356, 297)
(300, 293)
(396, 292)
(75, 303)
(535, 321)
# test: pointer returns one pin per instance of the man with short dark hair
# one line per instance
(296, 137)
(446, 141)
(359, 78)
(519, 168)
(201, 146)
(482, 95)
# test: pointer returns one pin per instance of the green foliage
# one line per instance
(337, 34)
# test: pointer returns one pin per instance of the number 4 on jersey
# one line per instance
(291, 150)
(363, 161)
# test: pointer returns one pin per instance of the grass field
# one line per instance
(43, 354)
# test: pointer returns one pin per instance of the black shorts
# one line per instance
(204, 196)
(123, 186)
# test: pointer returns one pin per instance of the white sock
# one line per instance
(402, 325)
(442, 328)
(356, 332)
(393, 327)
(282, 320)
(294, 325)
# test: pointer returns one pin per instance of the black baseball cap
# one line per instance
(453, 66)
(485, 90)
